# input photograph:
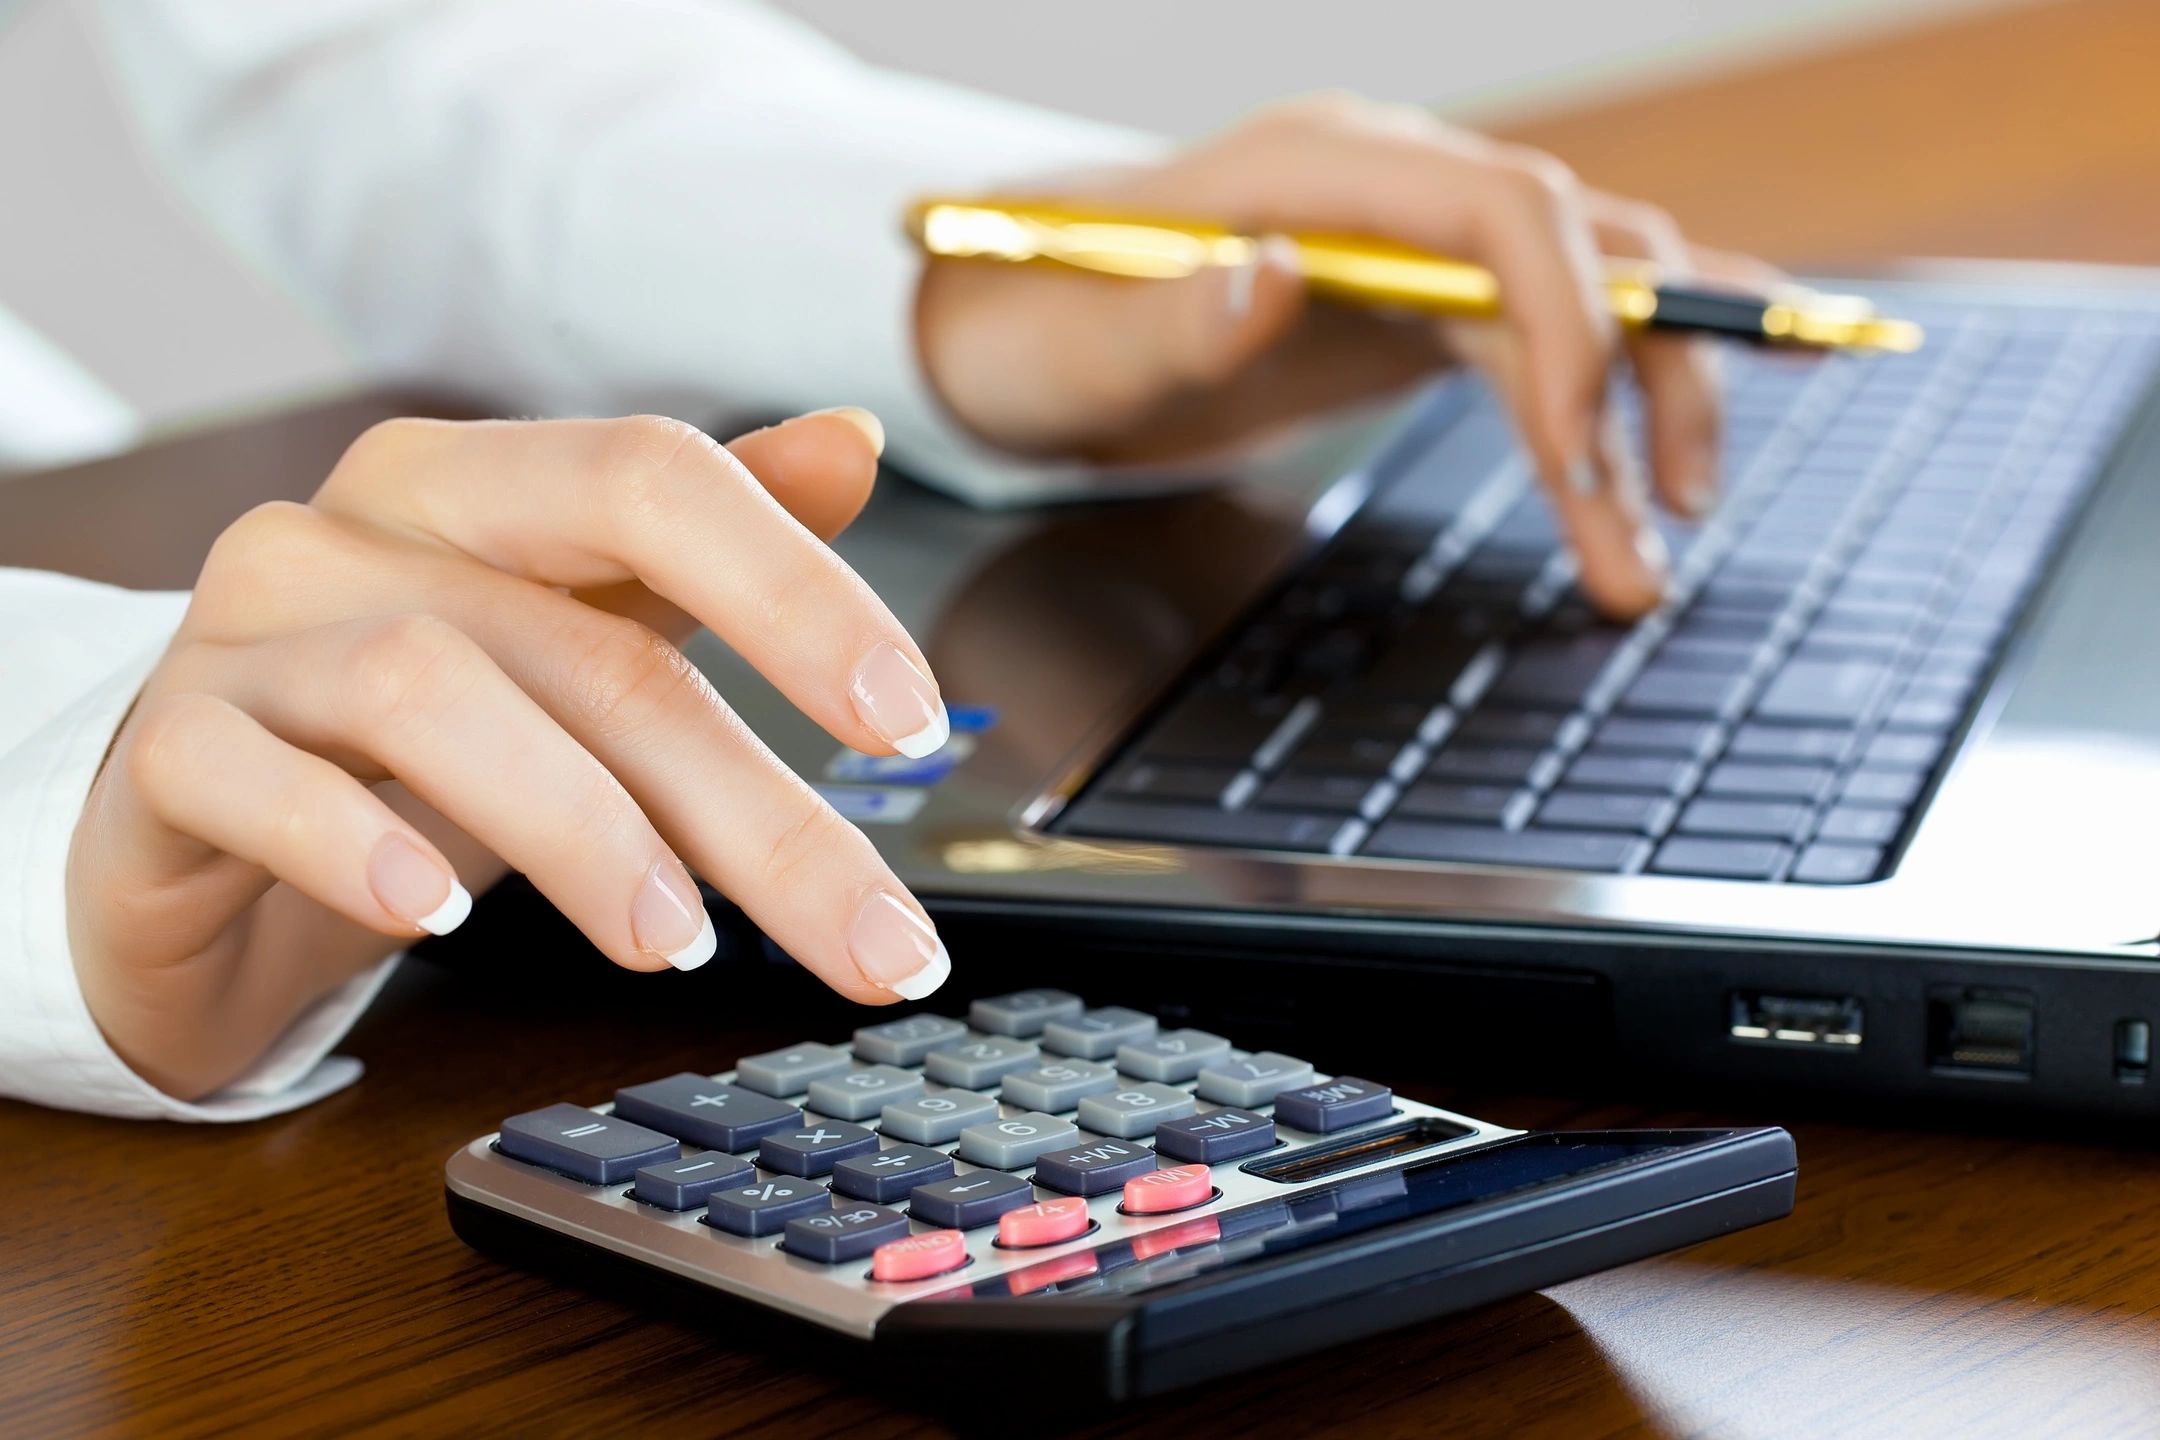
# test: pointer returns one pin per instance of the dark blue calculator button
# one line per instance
(969, 1201)
(686, 1184)
(845, 1232)
(814, 1147)
(584, 1144)
(1094, 1168)
(1215, 1137)
(760, 1207)
(1337, 1105)
(704, 1112)
(891, 1173)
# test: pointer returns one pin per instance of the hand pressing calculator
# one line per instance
(1082, 1200)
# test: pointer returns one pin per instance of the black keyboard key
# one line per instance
(1812, 692)
(1721, 859)
(1624, 811)
(1672, 690)
(1336, 1105)
(763, 1207)
(1328, 794)
(1212, 725)
(1172, 780)
(1656, 774)
(704, 1112)
(1493, 765)
(886, 1176)
(1516, 729)
(1746, 819)
(1093, 1168)
(687, 1183)
(970, 1201)
(1894, 789)
(1924, 712)
(1192, 825)
(846, 1232)
(584, 1144)
(1367, 755)
(1903, 749)
(1805, 783)
(1838, 864)
(1556, 672)
(1439, 800)
(814, 1148)
(1529, 849)
(1852, 825)
(1790, 742)
(1694, 739)
(1219, 1135)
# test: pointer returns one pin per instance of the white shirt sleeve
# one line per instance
(74, 655)
(581, 206)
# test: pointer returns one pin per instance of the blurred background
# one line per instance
(102, 258)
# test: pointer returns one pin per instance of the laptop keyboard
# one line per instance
(1430, 685)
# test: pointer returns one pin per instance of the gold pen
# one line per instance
(1381, 273)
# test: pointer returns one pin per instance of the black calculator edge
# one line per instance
(1107, 1348)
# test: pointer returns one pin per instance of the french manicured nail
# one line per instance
(415, 887)
(1650, 546)
(873, 429)
(669, 920)
(897, 949)
(898, 702)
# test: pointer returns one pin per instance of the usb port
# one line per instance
(1982, 1032)
(1810, 1020)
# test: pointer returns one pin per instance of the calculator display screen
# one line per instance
(1327, 1213)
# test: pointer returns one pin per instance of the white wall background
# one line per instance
(100, 256)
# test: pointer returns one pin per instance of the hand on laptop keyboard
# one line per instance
(1041, 359)
(454, 612)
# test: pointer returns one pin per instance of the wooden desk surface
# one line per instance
(297, 1276)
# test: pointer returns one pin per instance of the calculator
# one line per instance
(1048, 1189)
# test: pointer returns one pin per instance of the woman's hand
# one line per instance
(1047, 361)
(461, 656)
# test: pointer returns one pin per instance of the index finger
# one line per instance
(583, 504)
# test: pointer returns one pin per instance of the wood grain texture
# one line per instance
(297, 1276)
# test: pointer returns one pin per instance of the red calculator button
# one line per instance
(919, 1256)
(1046, 1222)
(1179, 1187)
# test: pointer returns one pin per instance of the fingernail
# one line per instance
(898, 702)
(1584, 477)
(1650, 547)
(873, 429)
(1239, 293)
(668, 919)
(1698, 499)
(897, 949)
(416, 887)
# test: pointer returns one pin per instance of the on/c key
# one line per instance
(1046, 1222)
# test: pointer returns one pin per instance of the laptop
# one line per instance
(1865, 809)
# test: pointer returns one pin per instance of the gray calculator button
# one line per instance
(761, 1207)
(1135, 1110)
(1057, 1085)
(1174, 1055)
(815, 1148)
(846, 1232)
(906, 1041)
(584, 1144)
(1337, 1105)
(888, 1175)
(1010, 1143)
(704, 1112)
(1255, 1080)
(1093, 1168)
(937, 1118)
(861, 1093)
(969, 1200)
(1024, 1012)
(686, 1184)
(979, 1061)
(1096, 1034)
(787, 1073)
(1214, 1137)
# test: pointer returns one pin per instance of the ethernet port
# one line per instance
(1981, 1032)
